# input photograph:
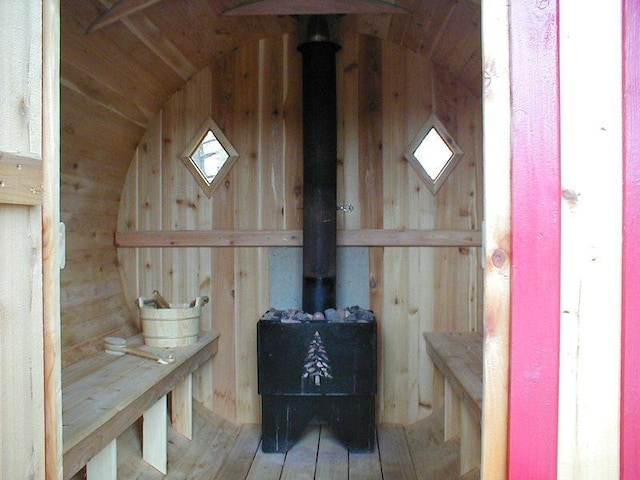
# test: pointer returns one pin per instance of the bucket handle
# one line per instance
(198, 302)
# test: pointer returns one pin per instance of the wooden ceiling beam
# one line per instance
(120, 10)
(314, 7)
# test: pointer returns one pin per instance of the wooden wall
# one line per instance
(22, 424)
(385, 93)
(99, 130)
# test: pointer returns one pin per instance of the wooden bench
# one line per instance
(104, 395)
(457, 357)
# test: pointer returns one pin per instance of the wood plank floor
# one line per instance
(221, 450)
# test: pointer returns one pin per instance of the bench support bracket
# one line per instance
(154, 435)
(104, 465)
(182, 407)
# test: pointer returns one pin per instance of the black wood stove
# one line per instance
(318, 369)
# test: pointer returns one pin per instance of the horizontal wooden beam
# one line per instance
(314, 7)
(20, 179)
(293, 238)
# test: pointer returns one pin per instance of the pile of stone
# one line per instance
(353, 314)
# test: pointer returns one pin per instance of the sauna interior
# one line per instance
(138, 82)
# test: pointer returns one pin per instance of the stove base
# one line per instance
(351, 418)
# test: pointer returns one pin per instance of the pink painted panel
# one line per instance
(630, 408)
(535, 287)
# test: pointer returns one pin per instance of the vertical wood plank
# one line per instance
(469, 442)
(533, 417)
(129, 263)
(20, 90)
(370, 125)
(370, 178)
(451, 412)
(154, 435)
(223, 259)
(630, 406)
(149, 192)
(266, 465)
(239, 458)
(395, 458)
(248, 267)
(271, 129)
(333, 458)
(22, 415)
(469, 135)
(199, 99)
(174, 212)
(51, 244)
(104, 465)
(198, 109)
(497, 228)
(422, 215)
(400, 380)
(347, 75)
(365, 466)
(292, 131)
(182, 407)
(21, 343)
(438, 389)
(591, 237)
(300, 462)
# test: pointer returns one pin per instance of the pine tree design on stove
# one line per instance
(316, 364)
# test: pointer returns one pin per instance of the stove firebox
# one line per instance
(317, 370)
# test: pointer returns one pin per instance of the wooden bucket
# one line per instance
(170, 327)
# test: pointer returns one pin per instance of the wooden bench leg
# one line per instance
(451, 412)
(182, 407)
(154, 435)
(469, 443)
(104, 465)
(438, 388)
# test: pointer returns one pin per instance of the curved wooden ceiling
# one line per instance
(141, 51)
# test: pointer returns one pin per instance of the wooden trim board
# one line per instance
(292, 238)
(535, 281)
(630, 415)
(20, 179)
(496, 111)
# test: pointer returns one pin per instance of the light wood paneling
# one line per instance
(223, 260)
(387, 237)
(22, 328)
(52, 245)
(91, 185)
(497, 200)
(590, 252)
(253, 94)
(21, 376)
(115, 81)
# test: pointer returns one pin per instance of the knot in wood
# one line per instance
(498, 258)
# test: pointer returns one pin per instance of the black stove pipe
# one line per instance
(320, 167)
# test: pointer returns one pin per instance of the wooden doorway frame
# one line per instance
(562, 302)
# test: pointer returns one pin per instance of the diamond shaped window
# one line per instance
(209, 156)
(433, 153)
